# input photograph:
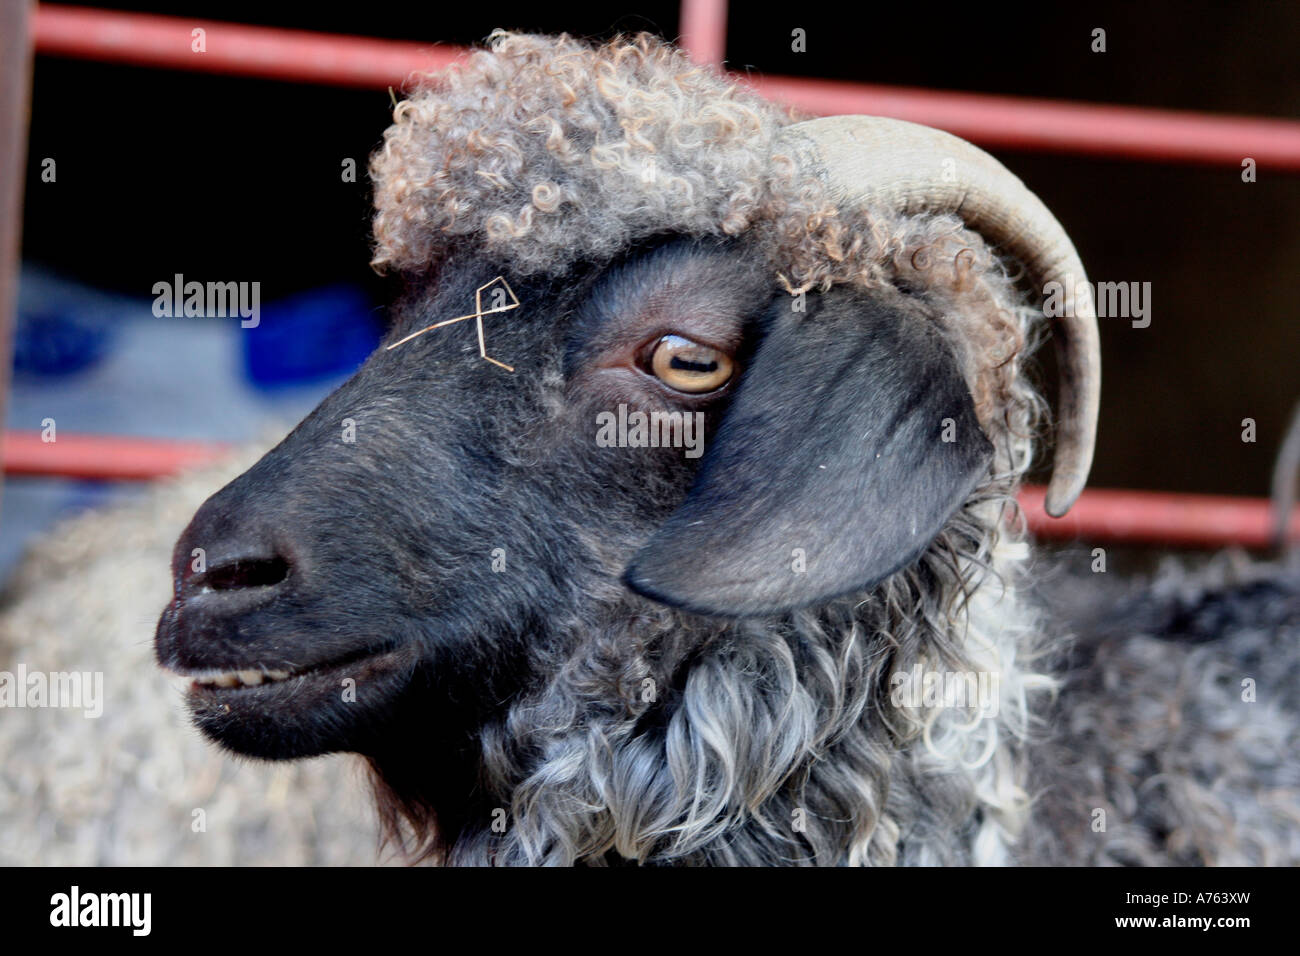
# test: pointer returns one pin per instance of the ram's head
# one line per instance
(813, 317)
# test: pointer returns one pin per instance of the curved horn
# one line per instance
(870, 160)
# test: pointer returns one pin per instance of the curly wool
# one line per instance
(545, 153)
(1177, 730)
(781, 745)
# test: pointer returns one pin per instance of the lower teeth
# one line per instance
(245, 678)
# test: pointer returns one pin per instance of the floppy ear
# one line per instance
(851, 440)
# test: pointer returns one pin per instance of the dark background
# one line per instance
(162, 172)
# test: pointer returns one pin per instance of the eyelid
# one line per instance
(648, 345)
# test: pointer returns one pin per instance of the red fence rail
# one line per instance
(298, 56)
(995, 121)
(1190, 521)
(1158, 517)
(102, 457)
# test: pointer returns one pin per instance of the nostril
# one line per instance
(247, 573)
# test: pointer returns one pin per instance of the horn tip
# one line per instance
(1061, 495)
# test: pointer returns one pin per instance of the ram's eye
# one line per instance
(689, 366)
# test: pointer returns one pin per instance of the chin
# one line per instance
(283, 715)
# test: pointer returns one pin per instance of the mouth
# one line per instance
(283, 712)
(214, 682)
(230, 680)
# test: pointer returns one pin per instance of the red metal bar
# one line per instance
(1150, 517)
(704, 30)
(102, 457)
(264, 52)
(1126, 132)
(1134, 517)
(995, 121)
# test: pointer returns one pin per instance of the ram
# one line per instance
(553, 651)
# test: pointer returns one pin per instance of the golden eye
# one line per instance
(689, 366)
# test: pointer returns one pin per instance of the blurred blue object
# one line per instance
(59, 338)
(154, 376)
(312, 335)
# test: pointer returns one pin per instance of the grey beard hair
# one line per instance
(776, 742)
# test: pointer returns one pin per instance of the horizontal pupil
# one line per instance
(699, 368)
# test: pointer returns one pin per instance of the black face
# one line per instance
(437, 511)
(439, 525)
